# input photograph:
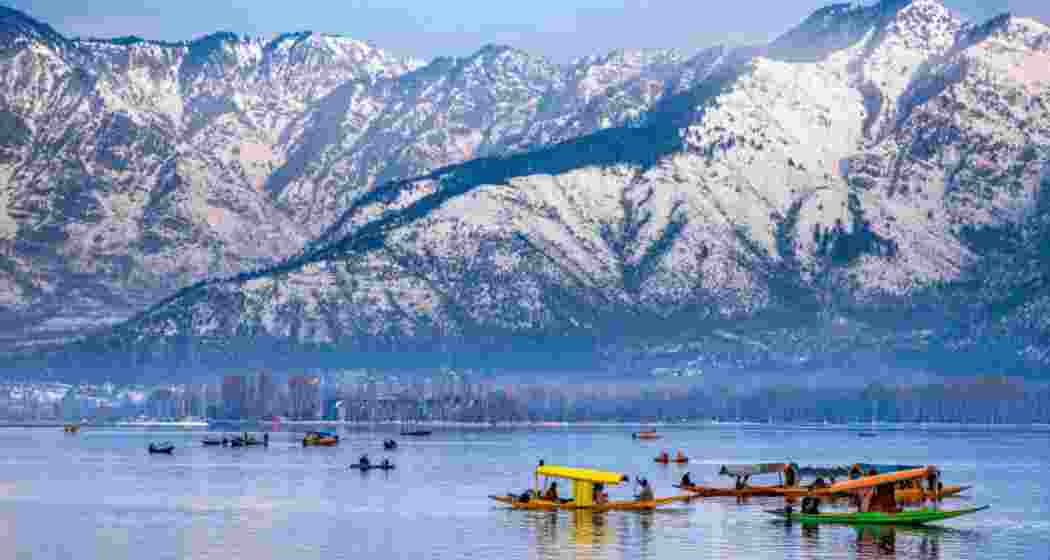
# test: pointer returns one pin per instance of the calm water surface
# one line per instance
(100, 495)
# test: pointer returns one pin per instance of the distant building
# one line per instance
(305, 395)
(264, 395)
(234, 391)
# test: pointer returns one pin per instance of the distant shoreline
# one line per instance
(859, 426)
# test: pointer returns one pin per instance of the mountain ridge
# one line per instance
(704, 214)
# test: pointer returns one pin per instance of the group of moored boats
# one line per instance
(242, 440)
(875, 493)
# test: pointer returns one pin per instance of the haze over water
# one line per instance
(100, 495)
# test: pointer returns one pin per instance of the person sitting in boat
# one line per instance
(686, 481)
(364, 461)
(819, 483)
(646, 493)
(386, 463)
(600, 495)
(664, 457)
(742, 482)
(811, 505)
(680, 457)
(552, 493)
(864, 497)
(884, 499)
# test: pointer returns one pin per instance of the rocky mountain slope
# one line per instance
(867, 187)
(131, 168)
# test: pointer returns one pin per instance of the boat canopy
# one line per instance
(877, 480)
(864, 468)
(824, 472)
(586, 475)
(756, 469)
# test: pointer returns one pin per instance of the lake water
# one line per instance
(98, 494)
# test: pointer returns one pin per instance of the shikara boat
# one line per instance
(915, 517)
(906, 490)
(788, 473)
(71, 428)
(165, 447)
(910, 490)
(893, 516)
(583, 496)
(320, 438)
(374, 466)
(212, 440)
(646, 435)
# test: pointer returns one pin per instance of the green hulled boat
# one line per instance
(913, 517)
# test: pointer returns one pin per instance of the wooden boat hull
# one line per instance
(669, 461)
(321, 442)
(749, 492)
(918, 494)
(417, 433)
(901, 494)
(632, 505)
(917, 517)
(379, 467)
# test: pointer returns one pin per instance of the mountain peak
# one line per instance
(840, 26)
(15, 24)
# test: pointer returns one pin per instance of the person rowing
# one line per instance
(364, 462)
(600, 495)
(664, 457)
(646, 493)
(680, 457)
(686, 481)
(552, 493)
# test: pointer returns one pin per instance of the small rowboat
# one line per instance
(916, 517)
(646, 435)
(676, 460)
(379, 466)
(417, 433)
(166, 447)
(320, 438)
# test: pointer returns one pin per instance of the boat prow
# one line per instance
(916, 517)
(625, 505)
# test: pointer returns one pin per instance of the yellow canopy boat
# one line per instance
(584, 497)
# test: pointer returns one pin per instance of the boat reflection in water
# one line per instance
(927, 542)
(876, 542)
(587, 535)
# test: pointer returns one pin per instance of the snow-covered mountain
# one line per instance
(130, 168)
(868, 186)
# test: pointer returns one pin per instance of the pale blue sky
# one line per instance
(559, 29)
